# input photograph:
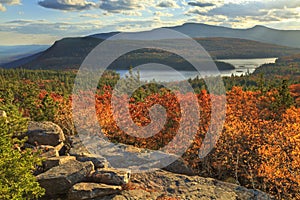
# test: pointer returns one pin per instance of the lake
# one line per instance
(242, 67)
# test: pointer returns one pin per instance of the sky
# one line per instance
(24, 22)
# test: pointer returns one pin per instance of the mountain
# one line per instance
(264, 34)
(69, 53)
(220, 42)
(11, 53)
(258, 33)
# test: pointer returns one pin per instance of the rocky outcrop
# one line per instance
(98, 161)
(84, 175)
(160, 183)
(44, 133)
(49, 151)
(180, 167)
(126, 156)
(56, 161)
(83, 191)
(110, 176)
(58, 180)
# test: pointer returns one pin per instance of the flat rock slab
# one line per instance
(44, 133)
(81, 191)
(56, 161)
(110, 176)
(161, 183)
(180, 167)
(129, 157)
(98, 161)
(60, 179)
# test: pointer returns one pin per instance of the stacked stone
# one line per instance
(77, 177)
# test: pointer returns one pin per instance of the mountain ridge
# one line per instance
(221, 42)
(69, 53)
(256, 33)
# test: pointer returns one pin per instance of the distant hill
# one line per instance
(231, 48)
(287, 67)
(257, 33)
(11, 53)
(69, 53)
(290, 59)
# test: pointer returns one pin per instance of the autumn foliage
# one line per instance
(259, 146)
(295, 92)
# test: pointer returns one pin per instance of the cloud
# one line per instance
(245, 14)
(126, 7)
(162, 14)
(199, 4)
(14, 38)
(68, 4)
(168, 4)
(194, 11)
(145, 24)
(249, 13)
(88, 15)
(2, 8)
(10, 2)
(237, 10)
(21, 21)
(131, 13)
(284, 13)
(3, 3)
(281, 4)
(262, 19)
(63, 29)
(118, 6)
(253, 8)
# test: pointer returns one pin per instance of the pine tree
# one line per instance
(17, 181)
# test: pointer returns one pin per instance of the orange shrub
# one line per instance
(259, 147)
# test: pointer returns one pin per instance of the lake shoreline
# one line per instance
(241, 67)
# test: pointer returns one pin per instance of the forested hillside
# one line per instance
(69, 53)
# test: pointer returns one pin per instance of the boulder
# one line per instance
(60, 179)
(28, 146)
(56, 161)
(98, 161)
(47, 151)
(44, 133)
(77, 148)
(180, 167)
(81, 191)
(109, 176)
(50, 151)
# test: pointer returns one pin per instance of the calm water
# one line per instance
(242, 66)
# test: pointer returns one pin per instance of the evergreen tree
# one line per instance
(17, 181)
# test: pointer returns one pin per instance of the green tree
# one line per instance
(284, 99)
(16, 164)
